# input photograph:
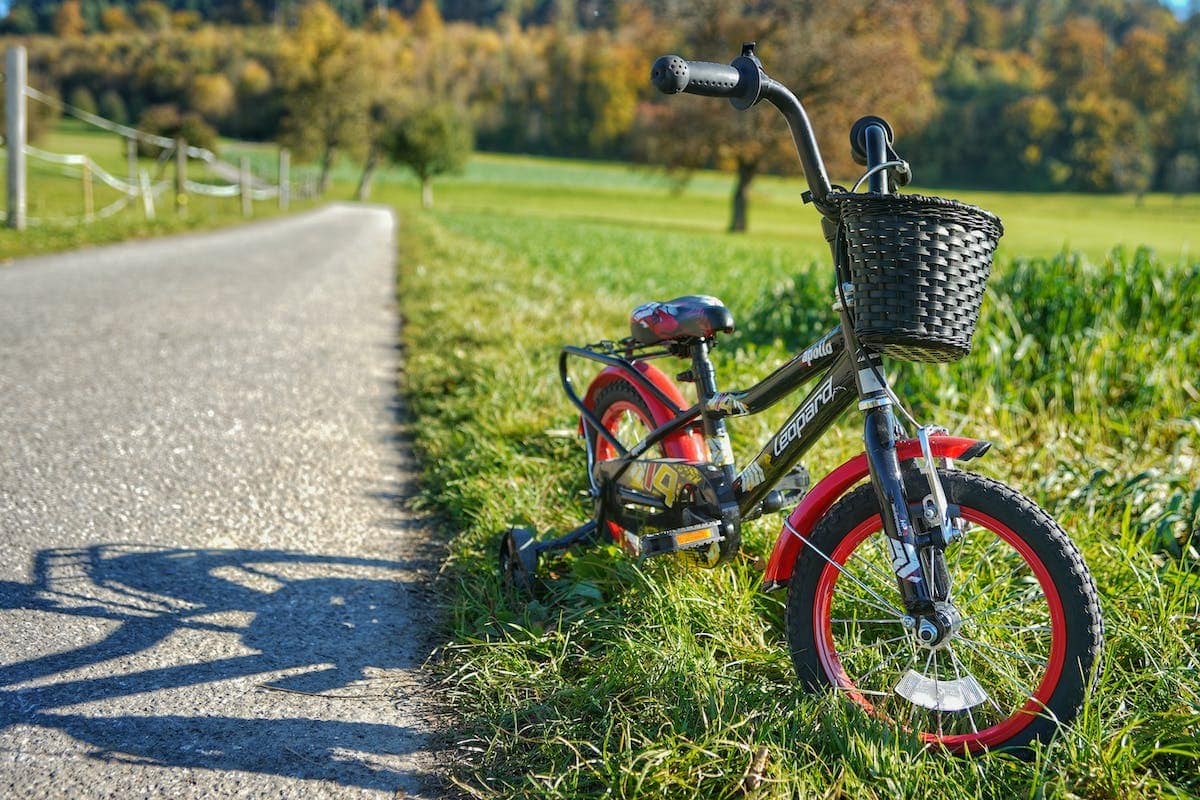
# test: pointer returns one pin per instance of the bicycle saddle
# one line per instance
(694, 316)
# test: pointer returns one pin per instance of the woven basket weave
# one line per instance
(919, 267)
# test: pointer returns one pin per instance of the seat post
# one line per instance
(715, 433)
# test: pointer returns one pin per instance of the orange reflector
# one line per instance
(693, 536)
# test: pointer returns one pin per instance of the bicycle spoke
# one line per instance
(892, 621)
(911, 659)
(981, 559)
(856, 690)
(1019, 686)
(937, 694)
(1002, 651)
(887, 607)
(990, 611)
(962, 545)
(995, 581)
(872, 645)
(888, 579)
(1041, 626)
(958, 677)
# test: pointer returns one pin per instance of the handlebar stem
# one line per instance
(805, 140)
(877, 145)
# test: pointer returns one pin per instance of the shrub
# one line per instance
(82, 99)
(112, 106)
(166, 120)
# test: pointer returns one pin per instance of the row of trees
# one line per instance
(43, 16)
(1095, 95)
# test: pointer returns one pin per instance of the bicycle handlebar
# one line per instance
(673, 74)
(745, 83)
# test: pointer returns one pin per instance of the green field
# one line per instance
(55, 202)
(1037, 224)
(657, 680)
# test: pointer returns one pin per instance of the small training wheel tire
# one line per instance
(518, 559)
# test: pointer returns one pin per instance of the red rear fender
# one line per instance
(814, 505)
(686, 444)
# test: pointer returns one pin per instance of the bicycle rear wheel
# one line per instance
(1019, 633)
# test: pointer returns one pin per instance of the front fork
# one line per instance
(913, 577)
(879, 439)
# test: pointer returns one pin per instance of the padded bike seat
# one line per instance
(693, 316)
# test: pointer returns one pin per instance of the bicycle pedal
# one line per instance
(672, 541)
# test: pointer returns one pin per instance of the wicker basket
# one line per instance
(919, 267)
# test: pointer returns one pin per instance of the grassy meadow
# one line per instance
(55, 202)
(658, 680)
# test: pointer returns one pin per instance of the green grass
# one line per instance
(1037, 224)
(55, 202)
(657, 680)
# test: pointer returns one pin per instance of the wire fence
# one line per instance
(85, 169)
(235, 180)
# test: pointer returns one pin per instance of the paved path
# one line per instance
(207, 588)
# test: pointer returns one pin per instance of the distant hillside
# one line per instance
(30, 16)
(1085, 95)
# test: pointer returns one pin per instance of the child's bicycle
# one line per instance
(941, 601)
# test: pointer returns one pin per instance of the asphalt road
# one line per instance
(207, 586)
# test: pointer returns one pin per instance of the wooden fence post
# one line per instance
(15, 75)
(285, 178)
(131, 153)
(181, 177)
(147, 194)
(89, 202)
(245, 186)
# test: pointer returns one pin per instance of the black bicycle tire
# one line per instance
(1047, 540)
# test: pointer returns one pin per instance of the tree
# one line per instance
(212, 95)
(1077, 55)
(834, 58)
(152, 15)
(82, 99)
(427, 21)
(113, 107)
(166, 120)
(114, 19)
(433, 138)
(1108, 145)
(326, 90)
(20, 20)
(68, 20)
(385, 97)
(1182, 174)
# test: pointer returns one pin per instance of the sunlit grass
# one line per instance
(658, 680)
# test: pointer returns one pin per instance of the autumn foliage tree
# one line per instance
(432, 138)
(326, 87)
(1095, 95)
(839, 64)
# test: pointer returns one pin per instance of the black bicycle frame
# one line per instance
(813, 416)
(847, 372)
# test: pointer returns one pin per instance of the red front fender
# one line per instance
(834, 485)
(687, 444)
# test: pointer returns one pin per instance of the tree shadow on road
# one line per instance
(321, 631)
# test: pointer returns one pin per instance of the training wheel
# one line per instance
(518, 559)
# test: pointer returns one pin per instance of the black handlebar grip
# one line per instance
(672, 74)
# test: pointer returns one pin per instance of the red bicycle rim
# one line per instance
(974, 741)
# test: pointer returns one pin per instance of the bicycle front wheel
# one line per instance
(1019, 629)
